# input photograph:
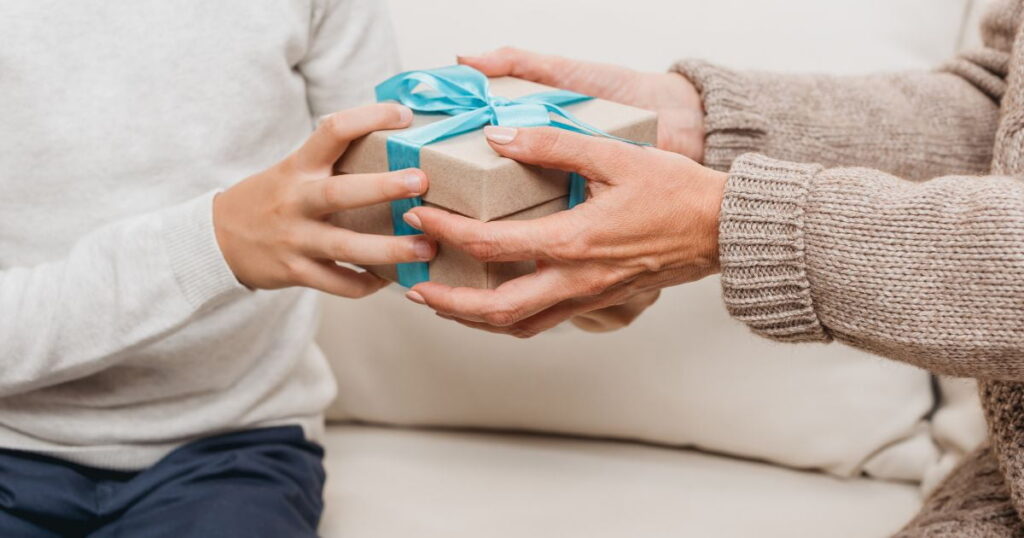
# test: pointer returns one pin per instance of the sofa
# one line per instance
(681, 425)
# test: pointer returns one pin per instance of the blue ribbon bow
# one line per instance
(464, 93)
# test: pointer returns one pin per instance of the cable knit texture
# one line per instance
(905, 238)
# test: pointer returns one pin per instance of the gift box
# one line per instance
(467, 177)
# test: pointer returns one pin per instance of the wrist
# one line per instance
(712, 212)
(681, 118)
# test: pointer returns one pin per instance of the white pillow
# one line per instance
(685, 374)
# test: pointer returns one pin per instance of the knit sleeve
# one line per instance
(914, 125)
(928, 273)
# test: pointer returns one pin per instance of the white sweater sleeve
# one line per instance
(352, 50)
(120, 287)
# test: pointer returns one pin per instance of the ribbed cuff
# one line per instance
(732, 123)
(761, 248)
(195, 257)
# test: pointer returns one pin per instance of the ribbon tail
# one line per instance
(577, 190)
(401, 155)
(404, 152)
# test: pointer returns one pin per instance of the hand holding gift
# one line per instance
(272, 227)
(651, 222)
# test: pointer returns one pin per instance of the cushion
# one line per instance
(685, 374)
(385, 483)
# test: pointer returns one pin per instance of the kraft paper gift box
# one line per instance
(467, 177)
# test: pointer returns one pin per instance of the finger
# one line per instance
(333, 194)
(510, 61)
(512, 330)
(331, 278)
(506, 305)
(326, 242)
(542, 238)
(598, 159)
(332, 137)
(590, 78)
(608, 311)
(615, 316)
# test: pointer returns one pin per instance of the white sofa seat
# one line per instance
(391, 483)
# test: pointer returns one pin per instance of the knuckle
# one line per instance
(332, 193)
(507, 51)
(393, 186)
(574, 247)
(483, 248)
(593, 286)
(335, 124)
(295, 271)
(338, 249)
(403, 248)
(359, 291)
(523, 332)
(503, 315)
(291, 238)
(546, 143)
(386, 113)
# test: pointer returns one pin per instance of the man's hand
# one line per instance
(675, 100)
(651, 222)
(272, 226)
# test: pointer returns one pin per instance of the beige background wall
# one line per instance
(650, 34)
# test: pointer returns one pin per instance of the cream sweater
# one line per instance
(917, 254)
(122, 332)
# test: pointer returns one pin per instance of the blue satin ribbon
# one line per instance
(464, 93)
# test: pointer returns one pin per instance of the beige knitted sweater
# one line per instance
(917, 254)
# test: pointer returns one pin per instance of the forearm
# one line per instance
(928, 273)
(119, 288)
(914, 125)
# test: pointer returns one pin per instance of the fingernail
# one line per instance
(423, 249)
(415, 297)
(412, 220)
(404, 114)
(500, 135)
(413, 182)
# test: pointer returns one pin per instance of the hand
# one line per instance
(676, 101)
(651, 222)
(272, 227)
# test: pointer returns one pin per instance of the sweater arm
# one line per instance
(352, 49)
(928, 273)
(120, 287)
(917, 125)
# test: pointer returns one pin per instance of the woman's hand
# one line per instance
(616, 317)
(272, 226)
(677, 103)
(651, 222)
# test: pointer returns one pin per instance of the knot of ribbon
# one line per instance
(464, 93)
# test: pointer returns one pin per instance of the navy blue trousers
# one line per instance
(266, 482)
